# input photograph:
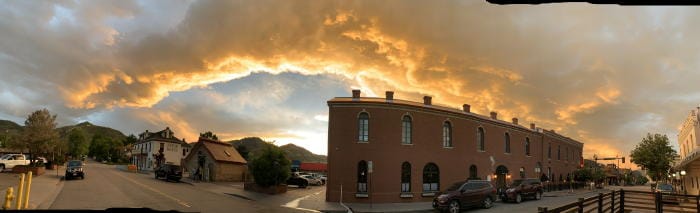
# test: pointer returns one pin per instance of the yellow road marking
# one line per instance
(183, 203)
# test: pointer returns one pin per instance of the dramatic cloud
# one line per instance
(604, 75)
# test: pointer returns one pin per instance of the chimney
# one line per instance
(494, 115)
(532, 126)
(355, 94)
(389, 96)
(466, 108)
(554, 131)
(515, 121)
(427, 100)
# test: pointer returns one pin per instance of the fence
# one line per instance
(628, 201)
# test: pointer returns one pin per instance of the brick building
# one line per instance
(390, 150)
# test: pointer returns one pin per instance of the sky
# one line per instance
(602, 74)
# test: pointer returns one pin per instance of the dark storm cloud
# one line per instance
(602, 74)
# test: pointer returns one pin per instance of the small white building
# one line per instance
(144, 152)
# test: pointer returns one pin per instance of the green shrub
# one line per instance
(270, 167)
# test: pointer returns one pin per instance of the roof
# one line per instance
(220, 151)
(165, 135)
(313, 166)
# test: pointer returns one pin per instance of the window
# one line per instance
(480, 139)
(549, 151)
(363, 125)
(472, 172)
(558, 152)
(406, 130)
(362, 177)
(161, 146)
(507, 142)
(567, 153)
(431, 178)
(447, 134)
(538, 168)
(527, 146)
(522, 172)
(406, 177)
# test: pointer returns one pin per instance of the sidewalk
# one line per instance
(44, 188)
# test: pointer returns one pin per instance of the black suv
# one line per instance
(169, 172)
(521, 188)
(74, 168)
(466, 193)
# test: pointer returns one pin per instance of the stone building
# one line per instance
(211, 160)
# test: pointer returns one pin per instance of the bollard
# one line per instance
(19, 191)
(26, 192)
(8, 199)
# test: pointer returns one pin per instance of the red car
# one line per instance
(522, 188)
(466, 194)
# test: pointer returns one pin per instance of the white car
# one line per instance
(9, 161)
(313, 180)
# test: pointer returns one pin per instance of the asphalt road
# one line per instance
(106, 187)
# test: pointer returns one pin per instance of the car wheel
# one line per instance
(2, 168)
(82, 177)
(487, 203)
(454, 207)
(538, 195)
(518, 198)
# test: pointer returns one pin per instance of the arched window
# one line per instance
(431, 178)
(447, 134)
(522, 172)
(472, 172)
(527, 146)
(362, 177)
(406, 177)
(507, 142)
(480, 139)
(406, 129)
(538, 168)
(363, 125)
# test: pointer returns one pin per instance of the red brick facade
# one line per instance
(387, 152)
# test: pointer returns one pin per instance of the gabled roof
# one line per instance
(165, 135)
(220, 151)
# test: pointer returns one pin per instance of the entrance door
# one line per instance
(501, 172)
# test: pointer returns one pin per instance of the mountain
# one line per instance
(295, 152)
(91, 130)
(255, 144)
(13, 128)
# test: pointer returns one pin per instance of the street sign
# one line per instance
(369, 167)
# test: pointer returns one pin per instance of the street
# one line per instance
(105, 187)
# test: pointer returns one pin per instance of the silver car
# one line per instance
(312, 180)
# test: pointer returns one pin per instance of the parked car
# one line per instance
(323, 178)
(41, 159)
(75, 168)
(465, 194)
(667, 193)
(9, 161)
(523, 188)
(298, 181)
(169, 172)
(312, 180)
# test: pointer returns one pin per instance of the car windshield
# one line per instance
(4, 157)
(173, 168)
(75, 163)
(665, 187)
(455, 186)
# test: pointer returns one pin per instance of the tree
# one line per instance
(270, 167)
(39, 134)
(77, 143)
(243, 151)
(99, 147)
(131, 139)
(655, 154)
(209, 135)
